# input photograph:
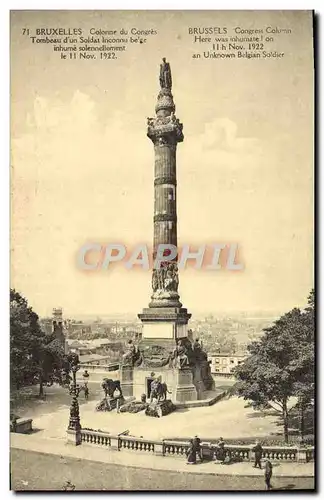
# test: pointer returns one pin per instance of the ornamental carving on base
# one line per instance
(155, 356)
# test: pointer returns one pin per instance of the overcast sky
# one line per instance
(82, 166)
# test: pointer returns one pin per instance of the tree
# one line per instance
(34, 356)
(305, 361)
(280, 365)
(51, 361)
(25, 341)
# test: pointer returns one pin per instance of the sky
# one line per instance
(82, 168)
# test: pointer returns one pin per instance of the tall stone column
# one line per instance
(165, 318)
(165, 131)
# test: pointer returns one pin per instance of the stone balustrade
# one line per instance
(175, 448)
(95, 437)
(274, 453)
(136, 444)
(165, 447)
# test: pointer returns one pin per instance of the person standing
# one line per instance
(197, 447)
(257, 454)
(268, 474)
(220, 453)
(85, 377)
(191, 453)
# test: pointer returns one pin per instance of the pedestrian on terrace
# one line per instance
(191, 453)
(257, 454)
(197, 447)
(220, 451)
(85, 377)
(268, 474)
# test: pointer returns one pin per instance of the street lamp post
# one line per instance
(74, 428)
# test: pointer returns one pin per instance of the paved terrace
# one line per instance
(228, 418)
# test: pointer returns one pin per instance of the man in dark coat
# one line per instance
(268, 474)
(197, 447)
(257, 454)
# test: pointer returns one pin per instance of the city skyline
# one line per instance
(82, 166)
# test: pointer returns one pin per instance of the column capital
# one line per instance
(165, 130)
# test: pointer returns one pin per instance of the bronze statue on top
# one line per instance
(165, 75)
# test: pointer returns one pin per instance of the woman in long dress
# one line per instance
(191, 453)
(220, 451)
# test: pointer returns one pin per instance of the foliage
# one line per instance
(34, 356)
(25, 341)
(281, 364)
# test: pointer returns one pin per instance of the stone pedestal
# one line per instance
(126, 380)
(73, 437)
(159, 448)
(167, 324)
(301, 455)
(185, 389)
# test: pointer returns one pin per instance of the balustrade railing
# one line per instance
(241, 453)
(136, 444)
(175, 448)
(95, 437)
(280, 453)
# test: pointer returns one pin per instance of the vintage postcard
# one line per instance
(162, 251)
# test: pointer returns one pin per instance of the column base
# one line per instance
(126, 380)
(185, 389)
(165, 299)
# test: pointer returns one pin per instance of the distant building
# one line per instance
(225, 363)
(58, 327)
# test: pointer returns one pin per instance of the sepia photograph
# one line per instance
(162, 288)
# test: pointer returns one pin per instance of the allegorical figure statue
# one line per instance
(129, 356)
(181, 355)
(165, 279)
(165, 75)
